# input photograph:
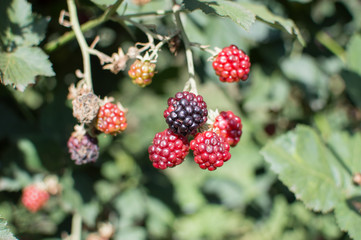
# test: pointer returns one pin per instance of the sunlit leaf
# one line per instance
(353, 53)
(308, 168)
(233, 10)
(348, 216)
(20, 67)
(4, 231)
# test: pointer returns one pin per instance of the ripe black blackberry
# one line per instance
(186, 112)
(82, 147)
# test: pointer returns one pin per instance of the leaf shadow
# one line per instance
(354, 204)
(204, 6)
(353, 85)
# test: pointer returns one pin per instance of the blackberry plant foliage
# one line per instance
(180, 119)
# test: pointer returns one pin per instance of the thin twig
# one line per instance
(82, 43)
(191, 83)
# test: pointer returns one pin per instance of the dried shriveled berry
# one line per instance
(83, 148)
(86, 107)
(232, 64)
(111, 119)
(210, 150)
(186, 112)
(229, 126)
(142, 72)
(168, 149)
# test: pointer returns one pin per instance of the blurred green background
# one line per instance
(316, 85)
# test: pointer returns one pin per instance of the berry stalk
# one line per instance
(81, 40)
(191, 83)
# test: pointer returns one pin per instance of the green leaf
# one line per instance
(31, 156)
(308, 168)
(19, 26)
(353, 86)
(266, 16)
(347, 148)
(5, 233)
(223, 8)
(353, 53)
(305, 70)
(348, 216)
(22, 66)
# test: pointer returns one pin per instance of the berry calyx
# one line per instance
(111, 119)
(142, 72)
(229, 126)
(82, 147)
(186, 112)
(34, 197)
(231, 64)
(168, 149)
(210, 150)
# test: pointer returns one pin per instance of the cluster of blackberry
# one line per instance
(98, 116)
(185, 114)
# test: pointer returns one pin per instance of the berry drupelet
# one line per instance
(83, 148)
(229, 126)
(141, 72)
(210, 150)
(111, 119)
(231, 64)
(186, 112)
(168, 149)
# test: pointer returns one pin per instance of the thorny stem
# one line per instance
(82, 43)
(191, 83)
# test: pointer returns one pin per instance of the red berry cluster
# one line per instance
(185, 114)
(231, 64)
(95, 116)
(34, 197)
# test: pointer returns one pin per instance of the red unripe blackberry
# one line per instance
(231, 64)
(210, 150)
(111, 119)
(34, 197)
(186, 112)
(168, 149)
(141, 72)
(83, 148)
(229, 126)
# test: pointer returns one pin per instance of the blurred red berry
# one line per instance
(34, 197)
